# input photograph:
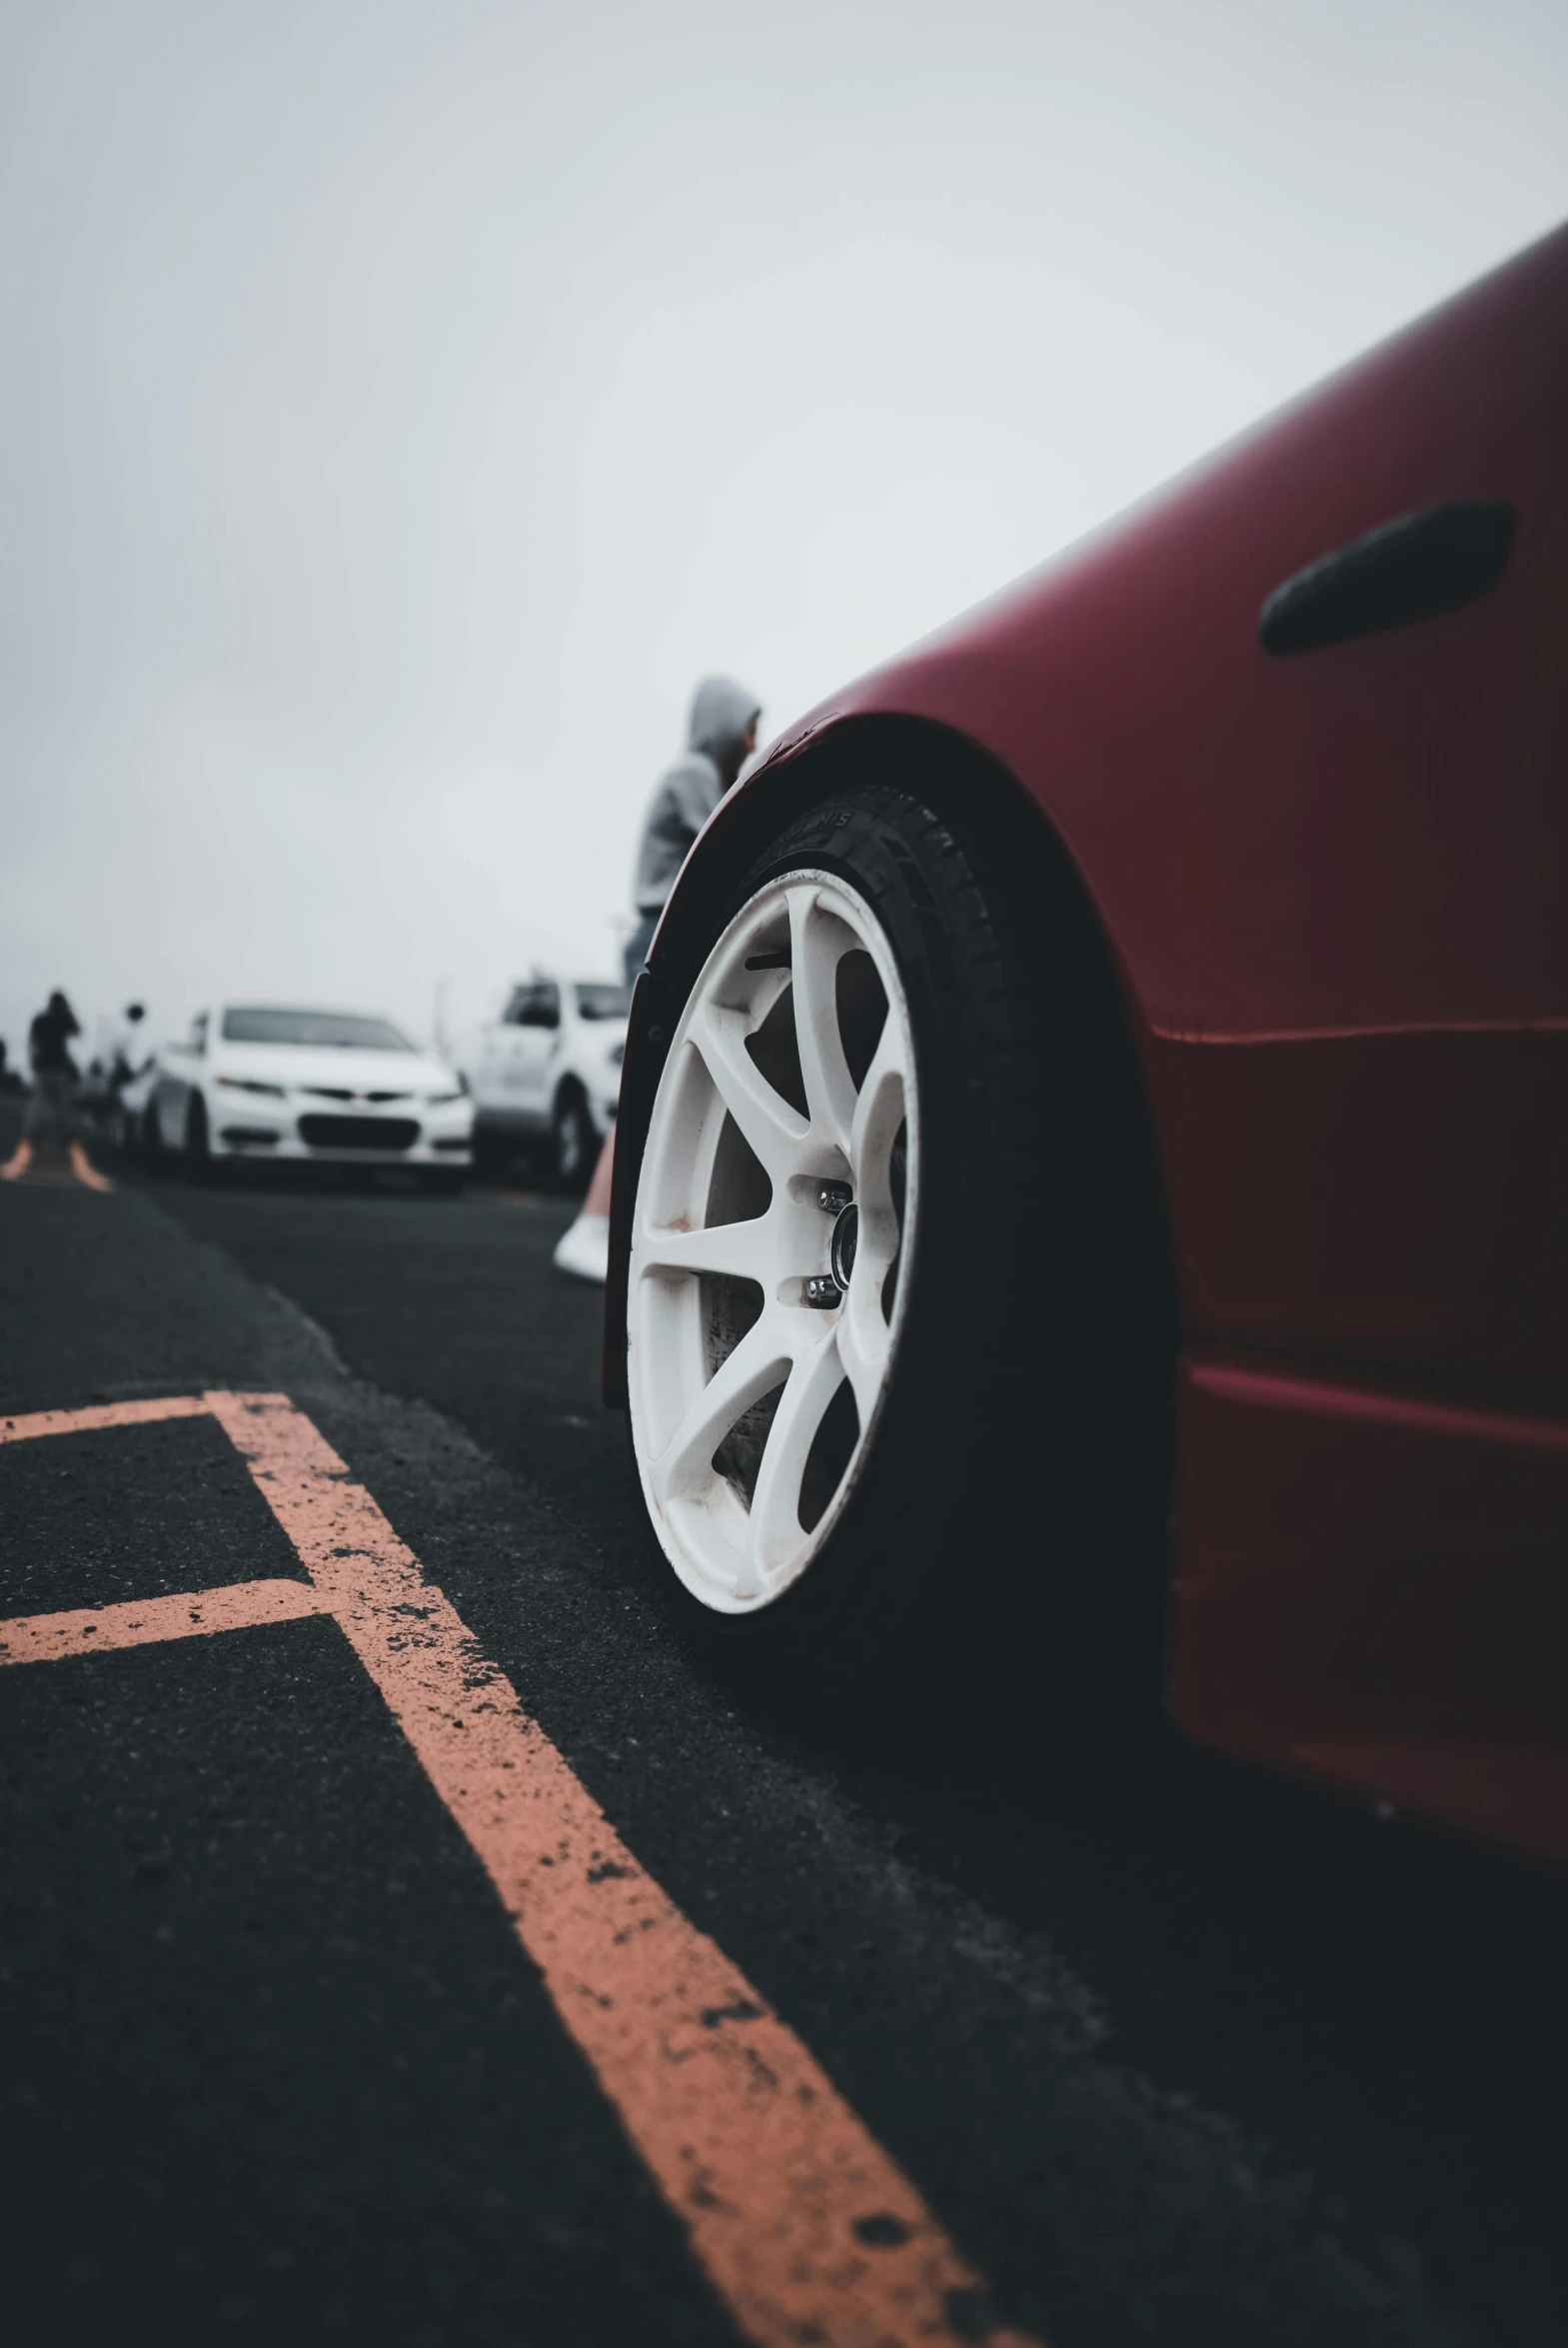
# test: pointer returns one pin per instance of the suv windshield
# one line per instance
(339, 1029)
(603, 1002)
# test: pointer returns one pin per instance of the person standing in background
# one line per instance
(52, 1105)
(721, 737)
(128, 1053)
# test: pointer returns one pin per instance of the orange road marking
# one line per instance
(809, 2229)
(140, 1622)
(101, 1415)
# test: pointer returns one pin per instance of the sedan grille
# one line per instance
(347, 1093)
(359, 1133)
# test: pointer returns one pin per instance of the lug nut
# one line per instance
(822, 1291)
(832, 1198)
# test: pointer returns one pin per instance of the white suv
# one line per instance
(549, 1071)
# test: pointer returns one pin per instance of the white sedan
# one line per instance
(258, 1081)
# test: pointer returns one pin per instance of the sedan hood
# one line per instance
(328, 1067)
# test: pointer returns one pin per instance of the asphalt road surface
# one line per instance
(1092, 2049)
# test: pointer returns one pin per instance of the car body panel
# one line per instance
(1371, 1589)
(1332, 889)
(1310, 868)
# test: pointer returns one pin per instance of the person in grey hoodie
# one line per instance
(720, 738)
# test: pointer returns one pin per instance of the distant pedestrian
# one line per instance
(52, 1107)
(128, 1053)
(721, 737)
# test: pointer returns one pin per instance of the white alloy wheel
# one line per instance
(772, 1239)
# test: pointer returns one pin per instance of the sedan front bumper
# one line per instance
(420, 1134)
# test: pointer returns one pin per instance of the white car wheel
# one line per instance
(775, 1208)
(898, 1339)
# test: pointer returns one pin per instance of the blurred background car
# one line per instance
(270, 1081)
(546, 1075)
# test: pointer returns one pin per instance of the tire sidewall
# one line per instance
(198, 1145)
(573, 1141)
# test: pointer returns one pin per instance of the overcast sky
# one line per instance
(401, 401)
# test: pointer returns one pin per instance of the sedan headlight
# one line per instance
(443, 1099)
(250, 1084)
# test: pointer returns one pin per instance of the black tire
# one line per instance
(1010, 1518)
(155, 1158)
(492, 1155)
(574, 1144)
(199, 1163)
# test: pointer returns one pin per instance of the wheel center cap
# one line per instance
(847, 1233)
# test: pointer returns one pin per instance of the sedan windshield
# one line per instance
(340, 1029)
(603, 1002)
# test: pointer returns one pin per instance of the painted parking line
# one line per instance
(103, 1415)
(143, 1622)
(809, 2231)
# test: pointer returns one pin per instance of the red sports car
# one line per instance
(1093, 1148)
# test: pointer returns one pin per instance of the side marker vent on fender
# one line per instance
(1409, 570)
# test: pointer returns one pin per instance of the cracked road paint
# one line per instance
(809, 2231)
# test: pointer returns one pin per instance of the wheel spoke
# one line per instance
(864, 1343)
(740, 1379)
(878, 1113)
(743, 1249)
(770, 1127)
(816, 948)
(775, 1532)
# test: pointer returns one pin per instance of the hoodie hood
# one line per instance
(690, 790)
(720, 712)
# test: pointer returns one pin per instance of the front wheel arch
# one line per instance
(965, 782)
